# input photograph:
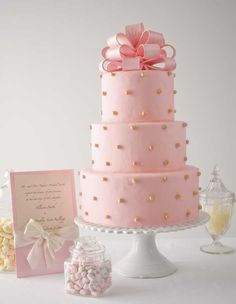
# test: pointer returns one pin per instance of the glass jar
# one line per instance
(88, 270)
(7, 251)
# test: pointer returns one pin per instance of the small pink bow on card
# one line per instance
(45, 244)
(137, 49)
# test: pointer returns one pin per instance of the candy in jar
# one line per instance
(87, 271)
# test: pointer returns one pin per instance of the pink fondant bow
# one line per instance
(137, 49)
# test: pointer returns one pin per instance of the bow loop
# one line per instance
(45, 244)
(137, 49)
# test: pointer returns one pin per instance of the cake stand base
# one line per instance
(144, 260)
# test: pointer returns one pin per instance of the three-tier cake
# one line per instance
(139, 176)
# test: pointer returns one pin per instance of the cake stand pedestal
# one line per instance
(144, 259)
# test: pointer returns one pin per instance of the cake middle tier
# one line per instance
(139, 147)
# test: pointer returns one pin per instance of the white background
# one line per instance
(50, 89)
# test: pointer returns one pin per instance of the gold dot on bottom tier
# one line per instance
(86, 213)
(113, 74)
(134, 181)
(119, 147)
(151, 198)
(184, 124)
(121, 200)
(150, 147)
(83, 176)
(164, 127)
(158, 91)
(165, 179)
(108, 163)
(188, 213)
(187, 141)
(165, 162)
(96, 145)
(177, 145)
(142, 74)
(137, 219)
(104, 93)
(95, 198)
(186, 176)
(128, 92)
(170, 111)
(115, 113)
(199, 173)
(104, 127)
(107, 216)
(169, 73)
(104, 179)
(80, 194)
(185, 158)
(135, 163)
(166, 215)
(200, 188)
(133, 127)
(174, 92)
(199, 207)
(195, 193)
(177, 196)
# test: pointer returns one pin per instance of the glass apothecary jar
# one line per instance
(217, 201)
(88, 270)
(7, 251)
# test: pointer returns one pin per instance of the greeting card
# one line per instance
(44, 208)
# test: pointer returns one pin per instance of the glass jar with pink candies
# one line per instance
(88, 270)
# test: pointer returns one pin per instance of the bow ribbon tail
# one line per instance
(36, 254)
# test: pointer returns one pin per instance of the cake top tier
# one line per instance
(137, 49)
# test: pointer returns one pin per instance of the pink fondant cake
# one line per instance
(139, 176)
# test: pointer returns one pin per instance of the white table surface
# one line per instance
(201, 278)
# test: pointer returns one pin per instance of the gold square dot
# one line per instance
(104, 93)
(185, 158)
(175, 92)
(166, 216)
(83, 176)
(186, 176)
(188, 213)
(135, 163)
(108, 163)
(184, 124)
(86, 213)
(121, 200)
(177, 196)
(134, 181)
(114, 112)
(143, 114)
(187, 141)
(169, 73)
(177, 145)
(150, 147)
(108, 216)
(80, 194)
(199, 173)
(113, 74)
(142, 74)
(133, 127)
(165, 162)
(96, 145)
(127, 92)
(95, 198)
(104, 127)
(195, 193)
(170, 111)
(119, 147)
(151, 198)
(199, 188)
(104, 179)
(165, 179)
(158, 91)
(137, 219)
(164, 127)
(199, 207)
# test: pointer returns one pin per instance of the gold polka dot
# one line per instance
(142, 74)
(184, 124)
(158, 91)
(188, 213)
(119, 147)
(127, 92)
(114, 112)
(133, 127)
(186, 176)
(96, 145)
(164, 127)
(113, 74)
(165, 179)
(177, 145)
(150, 148)
(151, 198)
(86, 213)
(104, 179)
(80, 194)
(104, 127)
(108, 216)
(95, 198)
(177, 196)
(104, 93)
(108, 163)
(137, 219)
(187, 141)
(83, 176)
(170, 111)
(185, 158)
(135, 163)
(199, 207)
(121, 200)
(169, 73)
(166, 216)
(165, 162)
(143, 114)
(134, 181)
(175, 92)
(195, 193)
(199, 173)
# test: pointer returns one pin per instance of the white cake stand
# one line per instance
(144, 259)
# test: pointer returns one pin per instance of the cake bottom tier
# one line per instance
(139, 199)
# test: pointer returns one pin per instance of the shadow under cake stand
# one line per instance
(144, 259)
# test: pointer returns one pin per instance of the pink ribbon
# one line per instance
(137, 49)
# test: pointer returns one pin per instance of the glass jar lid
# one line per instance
(87, 245)
(216, 189)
